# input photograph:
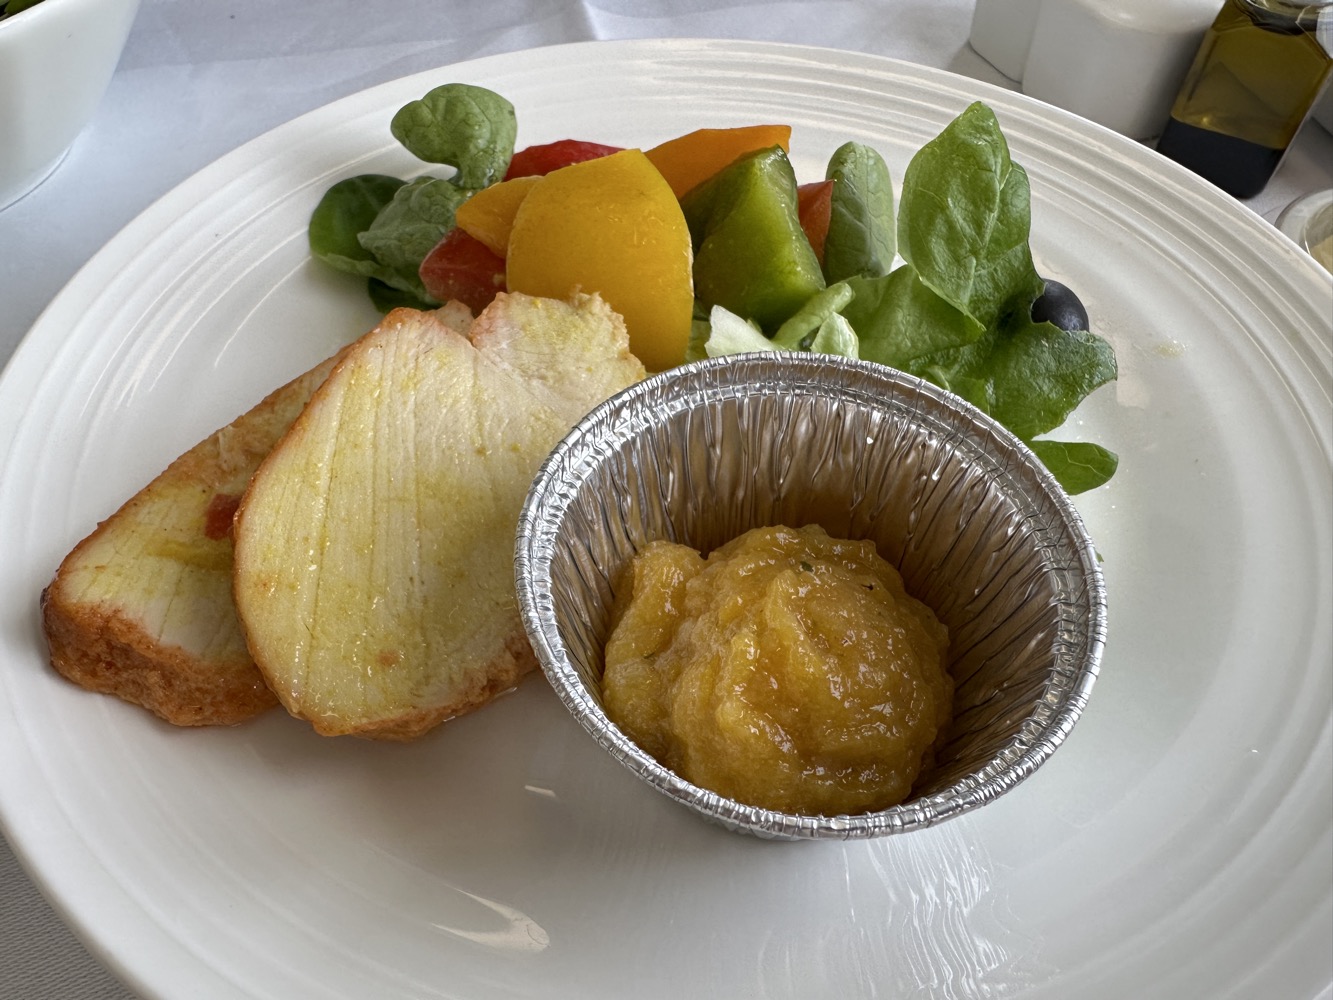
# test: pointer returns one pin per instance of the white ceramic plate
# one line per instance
(1179, 845)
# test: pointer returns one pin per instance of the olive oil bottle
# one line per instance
(1261, 66)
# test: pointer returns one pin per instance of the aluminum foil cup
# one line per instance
(979, 529)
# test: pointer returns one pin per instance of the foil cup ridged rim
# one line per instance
(628, 472)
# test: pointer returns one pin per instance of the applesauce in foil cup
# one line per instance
(980, 531)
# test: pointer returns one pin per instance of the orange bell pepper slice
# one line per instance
(691, 159)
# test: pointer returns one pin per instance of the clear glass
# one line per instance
(1309, 221)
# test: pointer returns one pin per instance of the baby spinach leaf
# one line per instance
(900, 320)
(346, 210)
(385, 297)
(468, 128)
(1041, 373)
(861, 238)
(1078, 466)
(1028, 376)
(409, 227)
(964, 218)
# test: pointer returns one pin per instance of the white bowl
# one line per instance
(56, 60)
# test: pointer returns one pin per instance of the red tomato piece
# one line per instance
(463, 268)
(814, 204)
(540, 160)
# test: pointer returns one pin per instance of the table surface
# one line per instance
(199, 79)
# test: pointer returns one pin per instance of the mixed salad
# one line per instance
(938, 281)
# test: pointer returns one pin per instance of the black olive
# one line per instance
(1059, 305)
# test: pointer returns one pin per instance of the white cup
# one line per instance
(1116, 62)
(56, 59)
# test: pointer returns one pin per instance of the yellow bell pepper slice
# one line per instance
(611, 226)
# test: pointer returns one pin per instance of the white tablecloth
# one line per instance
(198, 79)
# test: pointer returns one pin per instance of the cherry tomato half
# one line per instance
(540, 160)
(463, 268)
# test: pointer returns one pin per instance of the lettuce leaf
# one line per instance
(730, 334)
(800, 329)
(836, 336)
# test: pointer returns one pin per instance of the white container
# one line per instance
(56, 60)
(1116, 62)
(1002, 33)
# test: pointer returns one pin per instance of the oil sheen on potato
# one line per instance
(788, 670)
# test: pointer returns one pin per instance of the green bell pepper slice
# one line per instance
(750, 254)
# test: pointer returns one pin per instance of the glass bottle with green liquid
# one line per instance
(1260, 69)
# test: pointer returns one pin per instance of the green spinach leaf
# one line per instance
(346, 210)
(385, 297)
(964, 218)
(900, 320)
(1078, 466)
(861, 237)
(468, 128)
(409, 227)
(1028, 376)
